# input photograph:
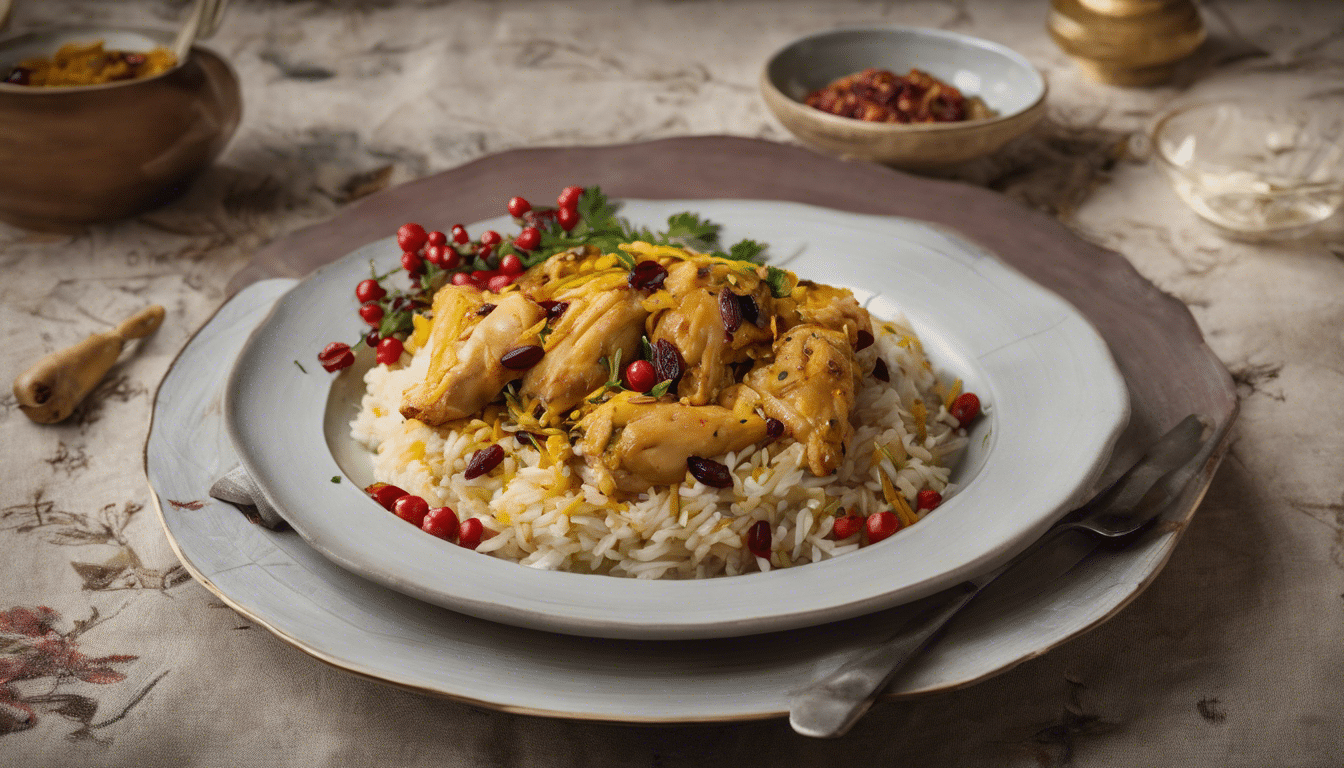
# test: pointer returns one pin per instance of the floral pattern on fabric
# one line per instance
(38, 661)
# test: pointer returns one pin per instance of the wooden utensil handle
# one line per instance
(141, 324)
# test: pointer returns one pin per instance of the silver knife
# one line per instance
(828, 707)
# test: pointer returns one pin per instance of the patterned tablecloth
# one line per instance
(111, 655)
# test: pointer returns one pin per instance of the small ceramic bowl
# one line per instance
(1003, 78)
(77, 155)
(1256, 169)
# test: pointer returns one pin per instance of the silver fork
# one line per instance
(827, 708)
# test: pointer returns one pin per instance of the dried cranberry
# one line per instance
(522, 358)
(528, 239)
(880, 371)
(469, 533)
(369, 290)
(389, 351)
(668, 362)
(411, 236)
(19, 76)
(758, 539)
(647, 276)
(490, 237)
(134, 59)
(865, 340)
(437, 254)
(730, 311)
(412, 263)
(460, 235)
(336, 356)
(499, 283)
(751, 311)
(436, 238)
(640, 376)
(709, 472)
(511, 264)
(372, 339)
(880, 525)
(485, 309)
(410, 508)
(440, 522)
(385, 494)
(518, 206)
(846, 526)
(460, 278)
(774, 428)
(928, 499)
(965, 408)
(483, 461)
(554, 309)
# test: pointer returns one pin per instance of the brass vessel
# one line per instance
(1126, 42)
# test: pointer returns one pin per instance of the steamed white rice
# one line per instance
(551, 515)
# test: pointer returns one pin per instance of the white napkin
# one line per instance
(238, 488)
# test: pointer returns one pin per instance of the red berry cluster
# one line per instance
(432, 258)
(881, 525)
(439, 521)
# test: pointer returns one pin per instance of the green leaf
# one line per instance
(301, 368)
(661, 388)
(647, 347)
(747, 250)
(778, 280)
(336, 479)
(691, 230)
(395, 323)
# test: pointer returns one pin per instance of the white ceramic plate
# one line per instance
(1057, 404)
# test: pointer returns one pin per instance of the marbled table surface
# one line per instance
(111, 655)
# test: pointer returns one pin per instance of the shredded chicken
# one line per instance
(745, 356)
(825, 305)
(810, 387)
(592, 330)
(692, 319)
(466, 372)
(638, 442)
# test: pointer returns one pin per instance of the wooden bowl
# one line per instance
(1003, 78)
(77, 155)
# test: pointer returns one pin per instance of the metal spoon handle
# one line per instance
(830, 708)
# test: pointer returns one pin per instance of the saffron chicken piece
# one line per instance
(693, 321)
(637, 442)
(466, 371)
(826, 305)
(596, 325)
(810, 387)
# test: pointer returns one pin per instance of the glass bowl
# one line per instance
(1256, 170)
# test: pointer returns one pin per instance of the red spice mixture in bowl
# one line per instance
(848, 72)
